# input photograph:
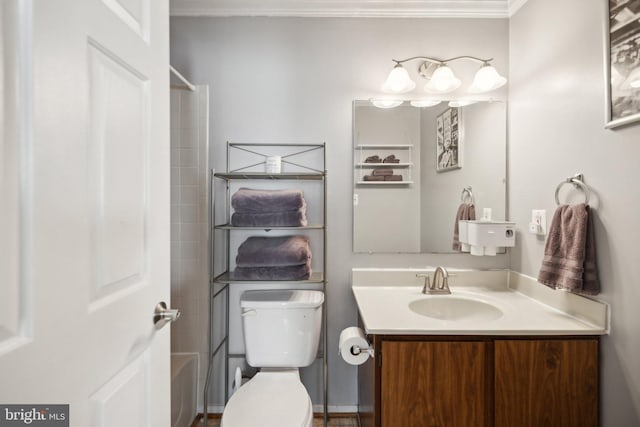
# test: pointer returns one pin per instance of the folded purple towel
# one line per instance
(251, 200)
(270, 219)
(373, 159)
(569, 261)
(260, 251)
(391, 159)
(290, 272)
(393, 177)
(383, 172)
(373, 178)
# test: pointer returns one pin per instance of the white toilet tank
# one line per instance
(281, 327)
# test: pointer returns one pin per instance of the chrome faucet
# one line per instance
(440, 284)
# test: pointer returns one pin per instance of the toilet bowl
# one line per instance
(273, 398)
(281, 333)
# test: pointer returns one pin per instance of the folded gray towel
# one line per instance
(391, 159)
(252, 200)
(383, 172)
(270, 219)
(393, 177)
(465, 212)
(373, 178)
(290, 272)
(373, 159)
(260, 251)
(569, 261)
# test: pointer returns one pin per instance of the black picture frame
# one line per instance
(622, 59)
(448, 140)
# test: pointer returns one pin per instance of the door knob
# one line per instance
(163, 315)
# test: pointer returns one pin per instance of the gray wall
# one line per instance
(290, 79)
(556, 119)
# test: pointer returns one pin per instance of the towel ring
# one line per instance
(578, 181)
(469, 196)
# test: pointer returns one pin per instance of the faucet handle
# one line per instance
(427, 284)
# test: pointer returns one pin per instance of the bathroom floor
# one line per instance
(342, 421)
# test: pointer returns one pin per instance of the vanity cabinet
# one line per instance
(438, 381)
(435, 383)
(546, 383)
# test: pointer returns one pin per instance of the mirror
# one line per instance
(439, 151)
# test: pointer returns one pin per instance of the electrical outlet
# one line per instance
(538, 222)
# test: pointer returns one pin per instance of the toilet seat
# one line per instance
(273, 398)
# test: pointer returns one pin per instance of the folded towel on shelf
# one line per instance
(465, 212)
(373, 177)
(569, 261)
(373, 159)
(393, 177)
(296, 218)
(391, 159)
(252, 200)
(260, 251)
(289, 272)
(382, 172)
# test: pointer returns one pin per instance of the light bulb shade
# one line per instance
(424, 102)
(461, 102)
(486, 79)
(442, 81)
(398, 81)
(386, 103)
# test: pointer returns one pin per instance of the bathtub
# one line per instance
(184, 374)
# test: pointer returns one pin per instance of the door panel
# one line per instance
(119, 148)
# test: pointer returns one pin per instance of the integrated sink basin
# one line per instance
(455, 308)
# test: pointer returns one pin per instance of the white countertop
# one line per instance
(384, 309)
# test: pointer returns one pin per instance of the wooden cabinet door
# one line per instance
(546, 383)
(436, 384)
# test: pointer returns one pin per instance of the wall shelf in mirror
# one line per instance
(376, 164)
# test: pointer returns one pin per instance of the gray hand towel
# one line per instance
(569, 261)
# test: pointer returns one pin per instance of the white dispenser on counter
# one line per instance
(485, 237)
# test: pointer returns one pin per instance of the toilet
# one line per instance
(281, 334)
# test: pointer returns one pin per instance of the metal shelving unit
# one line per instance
(244, 162)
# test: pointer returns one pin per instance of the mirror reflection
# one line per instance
(411, 167)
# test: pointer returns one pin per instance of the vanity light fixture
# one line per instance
(441, 77)
(424, 102)
(386, 103)
(462, 102)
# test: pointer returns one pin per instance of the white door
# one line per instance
(84, 175)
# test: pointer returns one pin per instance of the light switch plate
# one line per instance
(539, 218)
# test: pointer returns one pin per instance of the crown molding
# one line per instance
(514, 6)
(350, 8)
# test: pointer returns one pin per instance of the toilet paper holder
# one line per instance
(356, 350)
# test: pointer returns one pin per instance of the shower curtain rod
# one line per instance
(191, 87)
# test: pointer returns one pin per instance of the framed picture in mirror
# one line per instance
(448, 141)
(623, 63)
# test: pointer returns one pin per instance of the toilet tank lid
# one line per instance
(281, 299)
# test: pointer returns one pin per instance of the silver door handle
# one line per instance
(163, 315)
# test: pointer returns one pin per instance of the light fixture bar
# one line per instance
(442, 61)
